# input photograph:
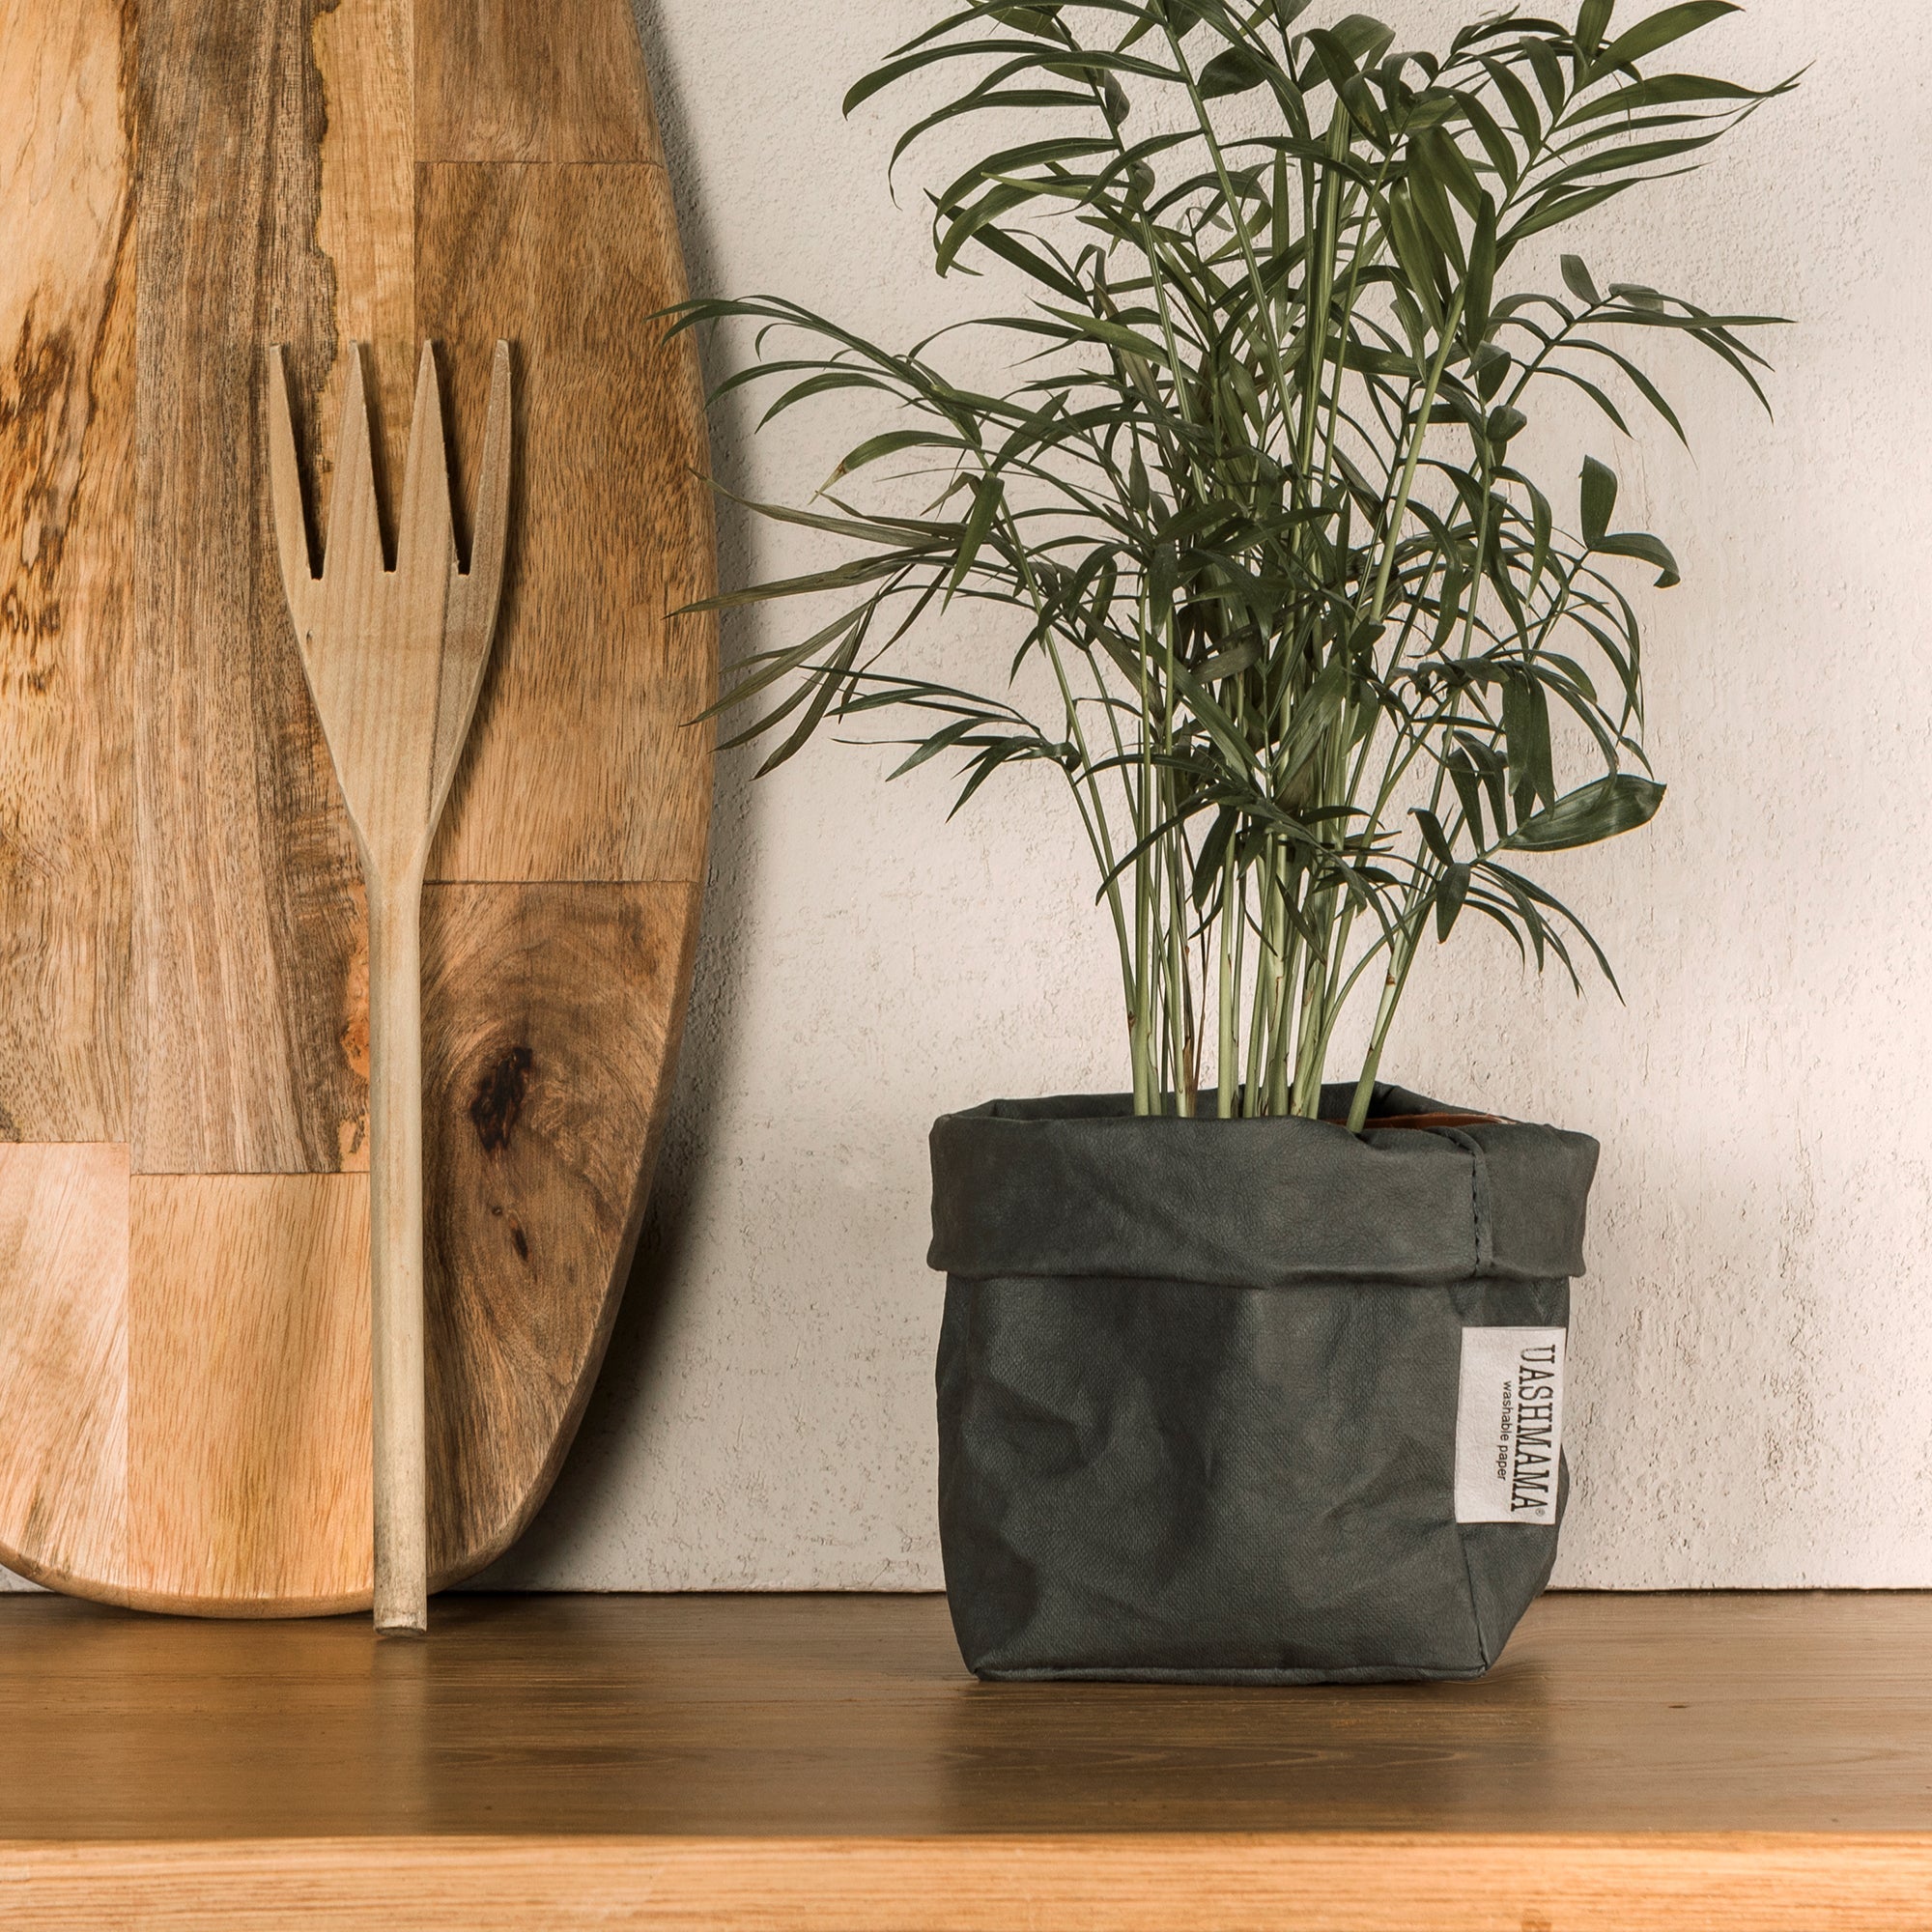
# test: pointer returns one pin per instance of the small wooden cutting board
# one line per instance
(183, 1013)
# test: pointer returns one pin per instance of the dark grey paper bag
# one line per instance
(1249, 1401)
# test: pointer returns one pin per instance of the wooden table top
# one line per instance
(714, 1760)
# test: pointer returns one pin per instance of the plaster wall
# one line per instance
(1751, 1403)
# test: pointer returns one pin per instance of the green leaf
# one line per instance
(1504, 425)
(1590, 390)
(1628, 161)
(987, 497)
(1543, 63)
(1553, 211)
(1468, 794)
(1481, 285)
(1666, 90)
(1492, 365)
(819, 385)
(1039, 20)
(889, 444)
(1591, 23)
(1599, 500)
(1660, 29)
(1428, 196)
(1489, 764)
(1576, 280)
(1029, 262)
(823, 685)
(1495, 143)
(1433, 835)
(906, 62)
(1448, 166)
(941, 740)
(1543, 527)
(1526, 734)
(1365, 37)
(758, 673)
(1232, 71)
(1317, 709)
(1419, 256)
(1601, 809)
(1449, 898)
(1516, 97)
(1647, 549)
(1639, 382)
(1229, 662)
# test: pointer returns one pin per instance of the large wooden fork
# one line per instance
(395, 659)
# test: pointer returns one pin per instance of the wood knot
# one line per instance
(500, 1099)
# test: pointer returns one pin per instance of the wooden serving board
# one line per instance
(183, 1197)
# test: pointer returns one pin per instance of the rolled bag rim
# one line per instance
(1078, 1186)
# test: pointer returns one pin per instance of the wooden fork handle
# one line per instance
(396, 1256)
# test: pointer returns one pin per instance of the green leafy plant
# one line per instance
(1253, 499)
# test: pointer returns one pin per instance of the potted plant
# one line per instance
(1245, 1375)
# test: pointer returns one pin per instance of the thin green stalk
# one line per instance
(1180, 1000)
(1392, 988)
(1229, 937)
(1321, 295)
(1268, 970)
(1100, 835)
(1377, 603)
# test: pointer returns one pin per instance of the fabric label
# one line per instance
(1509, 1425)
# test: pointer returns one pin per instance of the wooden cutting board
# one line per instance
(184, 1200)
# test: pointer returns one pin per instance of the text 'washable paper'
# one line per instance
(1509, 1425)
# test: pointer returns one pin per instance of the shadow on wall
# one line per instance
(730, 892)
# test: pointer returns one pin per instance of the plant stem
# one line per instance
(1229, 938)
(1392, 987)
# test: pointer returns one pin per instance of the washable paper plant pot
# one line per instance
(1256, 1402)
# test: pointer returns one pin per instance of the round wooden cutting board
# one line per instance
(184, 1200)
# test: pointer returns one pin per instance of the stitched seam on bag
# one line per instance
(1480, 1264)
(1475, 1219)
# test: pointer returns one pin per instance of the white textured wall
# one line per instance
(1751, 1403)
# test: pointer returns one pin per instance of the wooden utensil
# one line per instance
(394, 659)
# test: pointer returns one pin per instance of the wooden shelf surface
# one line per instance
(806, 1762)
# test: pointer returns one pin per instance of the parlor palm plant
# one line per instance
(1254, 497)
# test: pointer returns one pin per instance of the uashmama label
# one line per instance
(1509, 1425)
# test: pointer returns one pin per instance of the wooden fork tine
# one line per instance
(489, 527)
(355, 546)
(285, 497)
(425, 539)
(470, 617)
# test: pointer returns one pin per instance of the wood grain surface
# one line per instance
(64, 1475)
(66, 508)
(611, 532)
(502, 80)
(248, 1357)
(1634, 1761)
(548, 1011)
(246, 898)
(184, 932)
(1375, 1881)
